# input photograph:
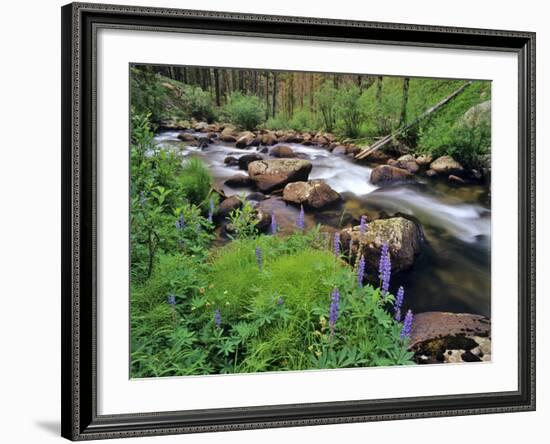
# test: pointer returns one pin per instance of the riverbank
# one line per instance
(451, 267)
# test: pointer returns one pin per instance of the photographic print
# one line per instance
(288, 221)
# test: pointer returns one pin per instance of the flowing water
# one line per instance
(452, 272)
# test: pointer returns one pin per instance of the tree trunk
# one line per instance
(403, 115)
(217, 85)
(274, 96)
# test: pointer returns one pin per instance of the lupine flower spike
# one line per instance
(363, 224)
(172, 299)
(361, 271)
(407, 325)
(142, 199)
(384, 268)
(217, 318)
(301, 219)
(398, 303)
(273, 224)
(334, 309)
(180, 223)
(259, 258)
(280, 301)
(211, 210)
(336, 244)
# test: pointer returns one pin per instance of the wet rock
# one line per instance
(456, 180)
(203, 142)
(174, 124)
(273, 174)
(229, 138)
(431, 173)
(314, 194)
(446, 165)
(291, 137)
(200, 126)
(246, 139)
(256, 196)
(230, 161)
(238, 181)
(424, 160)
(245, 160)
(388, 175)
(339, 150)
(352, 150)
(264, 150)
(263, 220)
(268, 139)
(438, 324)
(186, 137)
(377, 157)
(477, 115)
(228, 205)
(282, 151)
(407, 162)
(403, 237)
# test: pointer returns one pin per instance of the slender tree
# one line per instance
(405, 99)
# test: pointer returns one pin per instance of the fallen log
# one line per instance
(386, 139)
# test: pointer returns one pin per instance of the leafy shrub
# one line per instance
(277, 123)
(348, 110)
(325, 98)
(245, 111)
(198, 104)
(243, 221)
(302, 120)
(195, 180)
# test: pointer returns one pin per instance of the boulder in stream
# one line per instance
(273, 174)
(403, 237)
(406, 162)
(246, 139)
(228, 205)
(438, 337)
(314, 194)
(245, 160)
(238, 181)
(446, 165)
(388, 175)
(282, 151)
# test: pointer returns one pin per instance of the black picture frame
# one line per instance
(80, 420)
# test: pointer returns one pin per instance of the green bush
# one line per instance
(325, 99)
(245, 111)
(302, 120)
(277, 123)
(198, 104)
(195, 181)
(348, 110)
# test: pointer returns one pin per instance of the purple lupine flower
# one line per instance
(336, 244)
(273, 224)
(363, 224)
(211, 210)
(217, 318)
(334, 308)
(172, 299)
(384, 268)
(180, 223)
(259, 258)
(142, 199)
(280, 301)
(300, 223)
(398, 303)
(407, 325)
(361, 271)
